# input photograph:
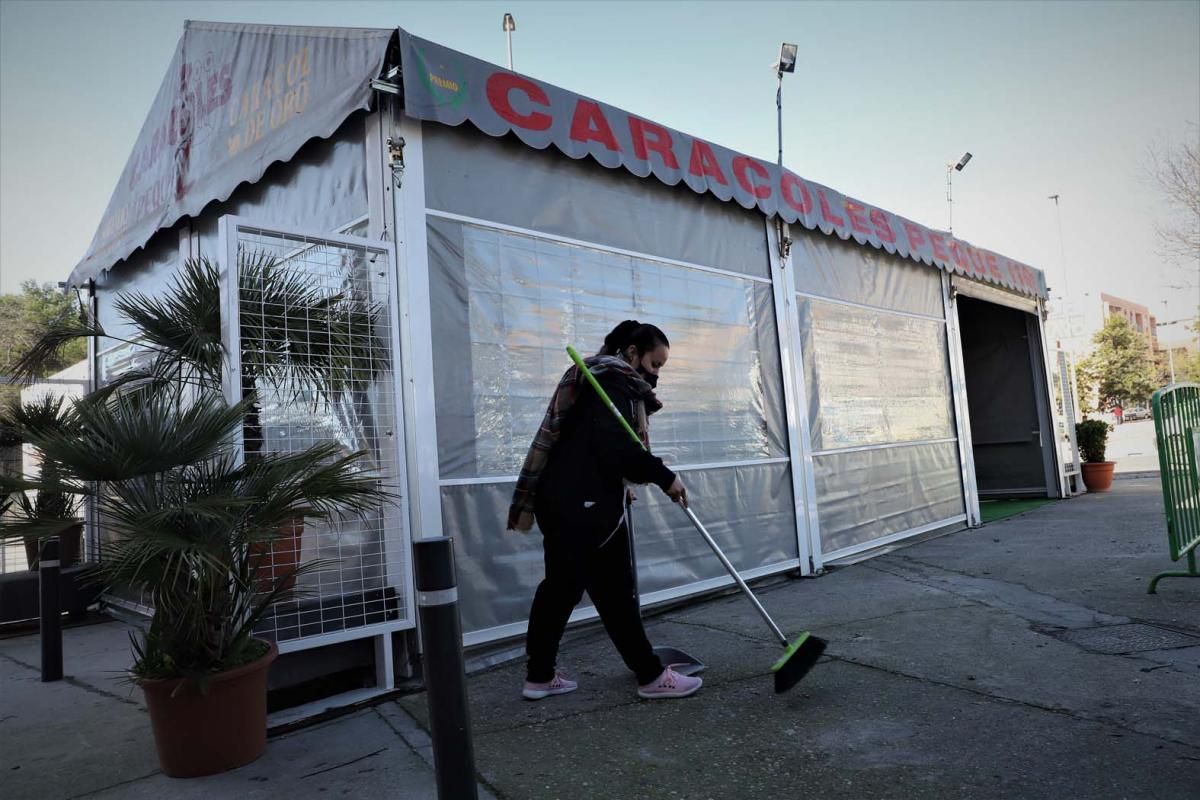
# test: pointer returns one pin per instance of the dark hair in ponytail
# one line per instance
(644, 336)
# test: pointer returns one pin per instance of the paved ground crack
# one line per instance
(78, 684)
(93, 792)
(1017, 701)
(496, 794)
(344, 763)
(1011, 597)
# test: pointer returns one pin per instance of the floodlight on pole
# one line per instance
(786, 63)
(509, 26)
(950, 170)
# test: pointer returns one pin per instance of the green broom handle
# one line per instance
(587, 373)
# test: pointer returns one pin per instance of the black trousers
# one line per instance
(578, 560)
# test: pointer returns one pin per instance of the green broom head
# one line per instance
(796, 661)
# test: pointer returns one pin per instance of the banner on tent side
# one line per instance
(449, 87)
(235, 99)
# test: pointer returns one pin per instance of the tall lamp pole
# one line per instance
(1170, 350)
(950, 170)
(510, 25)
(1062, 250)
(786, 63)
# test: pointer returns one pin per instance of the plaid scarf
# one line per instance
(520, 513)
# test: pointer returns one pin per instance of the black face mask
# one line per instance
(649, 378)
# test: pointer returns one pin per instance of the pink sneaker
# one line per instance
(670, 684)
(559, 685)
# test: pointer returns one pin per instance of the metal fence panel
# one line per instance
(332, 301)
(1177, 426)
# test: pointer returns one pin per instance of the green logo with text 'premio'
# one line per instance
(446, 86)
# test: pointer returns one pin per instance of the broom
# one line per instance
(798, 656)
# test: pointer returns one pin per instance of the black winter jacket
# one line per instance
(582, 485)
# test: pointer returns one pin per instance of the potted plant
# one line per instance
(1092, 437)
(51, 512)
(191, 513)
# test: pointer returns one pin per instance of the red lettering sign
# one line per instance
(501, 84)
(978, 264)
(742, 167)
(647, 136)
(882, 229)
(795, 193)
(589, 125)
(703, 162)
(916, 236)
(939, 248)
(958, 253)
(855, 212)
(827, 213)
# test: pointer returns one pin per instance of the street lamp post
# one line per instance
(510, 25)
(786, 63)
(950, 170)
(1170, 350)
(1062, 250)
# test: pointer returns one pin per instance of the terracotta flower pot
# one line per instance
(280, 558)
(1098, 475)
(203, 734)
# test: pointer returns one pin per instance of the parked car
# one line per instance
(1138, 412)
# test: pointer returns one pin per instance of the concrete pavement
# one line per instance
(1021, 659)
(1133, 447)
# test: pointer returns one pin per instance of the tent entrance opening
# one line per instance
(1006, 397)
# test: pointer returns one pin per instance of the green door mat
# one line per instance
(992, 510)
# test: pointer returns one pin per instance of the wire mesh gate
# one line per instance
(310, 327)
(1064, 389)
(1177, 428)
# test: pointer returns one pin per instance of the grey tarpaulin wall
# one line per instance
(504, 305)
(883, 437)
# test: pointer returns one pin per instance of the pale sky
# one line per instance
(1050, 97)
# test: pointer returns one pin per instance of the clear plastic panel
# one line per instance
(748, 510)
(864, 495)
(505, 305)
(873, 377)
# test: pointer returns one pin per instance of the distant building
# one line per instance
(1138, 316)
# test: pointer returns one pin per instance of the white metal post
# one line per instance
(1054, 417)
(794, 409)
(227, 244)
(407, 203)
(803, 470)
(962, 414)
(380, 228)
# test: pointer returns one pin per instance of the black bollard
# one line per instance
(51, 611)
(445, 672)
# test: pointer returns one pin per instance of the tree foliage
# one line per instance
(1120, 369)
(1176, 171)
(25, 317)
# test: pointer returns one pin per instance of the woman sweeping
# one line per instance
(573, 483)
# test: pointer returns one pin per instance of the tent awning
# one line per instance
(449, 87)
(236, 99)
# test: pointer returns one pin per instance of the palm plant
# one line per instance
(188, 514)
(190, 509)
(54, 509)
